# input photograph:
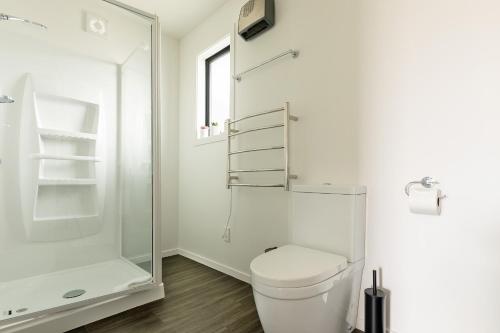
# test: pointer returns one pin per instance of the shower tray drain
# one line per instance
(74, 293)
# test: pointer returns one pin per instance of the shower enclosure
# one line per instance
(79, 156)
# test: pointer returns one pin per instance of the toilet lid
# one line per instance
(292, 266)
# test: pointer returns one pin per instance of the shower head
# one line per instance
(6, 99)
(6, 17)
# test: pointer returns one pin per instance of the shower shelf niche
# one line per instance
(61, 173)
(65, 157)
(58, 134)
(66, 218)
(66, 182)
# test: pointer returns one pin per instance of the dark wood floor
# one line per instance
(198, 300)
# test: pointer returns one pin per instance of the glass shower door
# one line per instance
(76, 154)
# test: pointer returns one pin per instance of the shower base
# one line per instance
(43, 292)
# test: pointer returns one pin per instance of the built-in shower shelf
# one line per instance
(65, 218)
(62, 187)
(66, 135)
(66, 182)
(65, 158)
(72, 99)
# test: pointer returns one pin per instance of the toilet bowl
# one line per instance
(299, 290)
(313, 286)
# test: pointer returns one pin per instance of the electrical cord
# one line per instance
(228, 223)
(226, 229)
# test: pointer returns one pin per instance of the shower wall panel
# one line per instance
(66, 74)
(76, 155)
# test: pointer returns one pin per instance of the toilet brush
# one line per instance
(374, 308)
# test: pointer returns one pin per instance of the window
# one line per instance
(217, 87)
(214, 89)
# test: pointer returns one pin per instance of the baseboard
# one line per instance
(358, 330)
(200, 259)
(140, 259)
(169, 253)
(147, 257)
(387, 331)
(215, 265)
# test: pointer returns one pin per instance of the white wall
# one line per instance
(387, 92)
(135, 156)
(429, 106)
(66, 24)
(170, 143)
(18, 256)
(169, 158)
(320, 92)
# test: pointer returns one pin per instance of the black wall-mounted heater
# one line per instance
(256, 17)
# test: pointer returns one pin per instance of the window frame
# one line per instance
(200, 139)
(208, 62)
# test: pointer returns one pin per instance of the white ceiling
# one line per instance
(178, 17)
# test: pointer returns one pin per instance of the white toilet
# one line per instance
(313, 284)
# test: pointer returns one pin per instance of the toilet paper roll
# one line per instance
(425, 200)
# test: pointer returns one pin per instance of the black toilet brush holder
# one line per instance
(375, 308)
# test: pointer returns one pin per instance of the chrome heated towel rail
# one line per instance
(285, 148)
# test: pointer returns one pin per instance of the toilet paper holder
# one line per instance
(427, 182)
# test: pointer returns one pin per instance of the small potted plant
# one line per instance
(204, 132)
(215, 129)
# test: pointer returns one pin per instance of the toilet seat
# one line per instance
(293, 266)
(292, 271)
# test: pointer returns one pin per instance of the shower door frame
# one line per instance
(156, 282)
(156, 132)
